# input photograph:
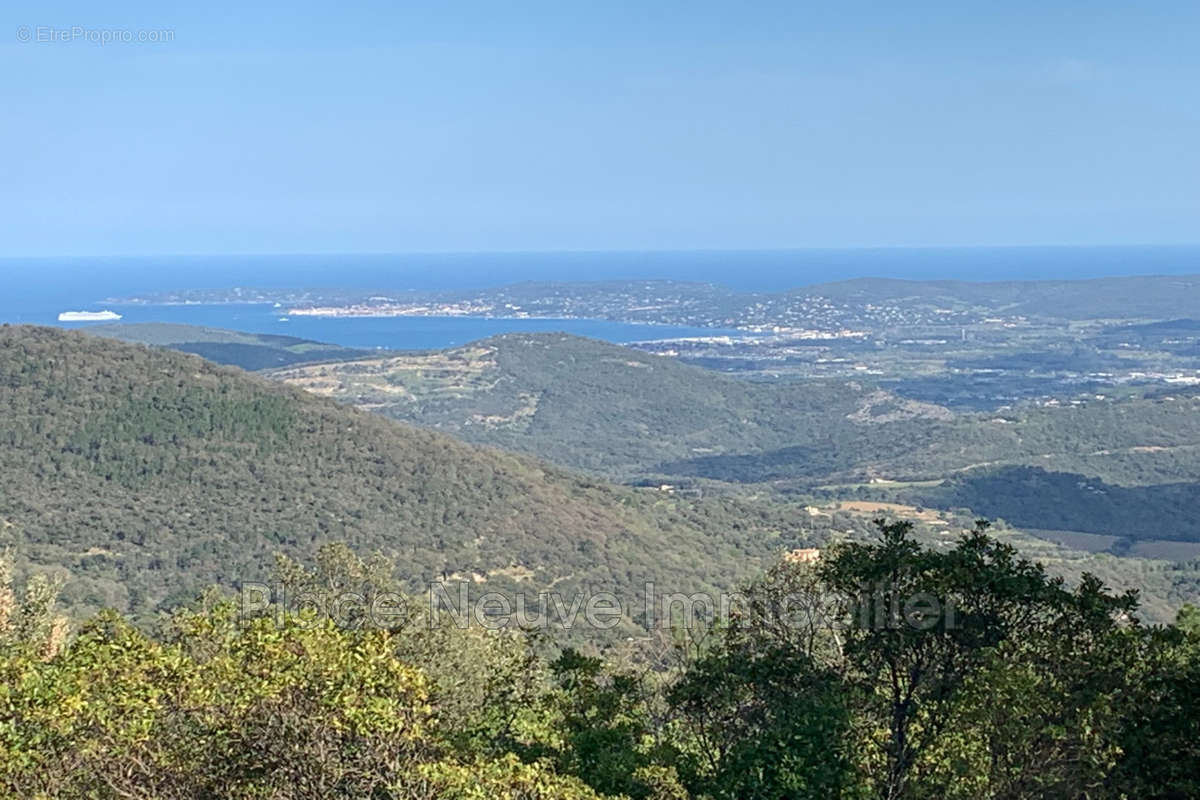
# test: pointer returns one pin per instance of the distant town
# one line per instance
(961, 344)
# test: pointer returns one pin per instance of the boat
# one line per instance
(88, 316)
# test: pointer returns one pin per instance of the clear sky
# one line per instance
(393, 126)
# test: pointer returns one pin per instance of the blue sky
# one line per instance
(392, 127)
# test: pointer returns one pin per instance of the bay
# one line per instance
(392, 333)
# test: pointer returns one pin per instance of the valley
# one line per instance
(170, 473)
(1079, 433)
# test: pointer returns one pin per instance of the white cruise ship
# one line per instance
(88, 316)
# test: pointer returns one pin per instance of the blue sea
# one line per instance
(392, 333)
(35, 290)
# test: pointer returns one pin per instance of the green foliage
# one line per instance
(925, 625)
(255, 709)
(1188, 619)
(763, 710)
(506, 778)
(144, 476)
(1160, 740)
(1111, 466)
(484, 683)
(301, 710)
(1034, 497)
(886, 670)
(823, 683)
(30, 624)
(604, 723)
(1010, 685)
(1045, 715)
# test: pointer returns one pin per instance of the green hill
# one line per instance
(142, 475)
(625, 414)
(1034, 497)
(602, 407)
(637, 417)
(252, 351)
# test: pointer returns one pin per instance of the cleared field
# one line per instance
(1077, 540)
(897, 510)
(408, 379)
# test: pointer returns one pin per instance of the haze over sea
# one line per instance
(37, 289)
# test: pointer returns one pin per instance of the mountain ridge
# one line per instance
(142, 475)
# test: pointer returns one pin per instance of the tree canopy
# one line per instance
(883, 670)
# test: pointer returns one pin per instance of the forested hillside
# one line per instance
(634, 417)
(1034, 497)
(965, 673)
(143, 475)
(610, 409)
(138, 476)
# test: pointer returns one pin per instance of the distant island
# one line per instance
(88, 316)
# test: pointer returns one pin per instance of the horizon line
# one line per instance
(600, 251)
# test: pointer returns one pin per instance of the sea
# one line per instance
(35, 290)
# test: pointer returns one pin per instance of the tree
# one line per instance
(302, 710)
(1044, 715)
(30, 624)
(924, 624)
(763, 709)
(1160, 732)
(603, 724)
